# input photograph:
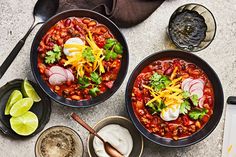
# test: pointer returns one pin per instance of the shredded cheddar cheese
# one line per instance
(171, 95)
(78, 61)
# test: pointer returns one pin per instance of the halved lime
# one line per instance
(29, 91)
(24, 125)
(15, 96)
(21, 107)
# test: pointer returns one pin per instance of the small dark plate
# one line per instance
(42, 109)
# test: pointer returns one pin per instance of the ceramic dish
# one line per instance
(42, 109)
(124, 122)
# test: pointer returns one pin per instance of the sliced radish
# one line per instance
(57, 79)
(48, 72)
(70, 75)
(186, 85)
(201, 102)
(59, 70)
(196, 86)
(198, 92)
(197, 81)
(185, 82)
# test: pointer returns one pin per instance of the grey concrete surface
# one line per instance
(143, 39)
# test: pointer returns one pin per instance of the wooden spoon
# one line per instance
(110, 150)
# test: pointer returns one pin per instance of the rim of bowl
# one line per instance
(59, 126)
(133, 119)
(116, 117)
(180, 48)
(80, 101)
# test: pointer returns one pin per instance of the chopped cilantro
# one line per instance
(94, 91)
(159, 82)
(88, 54)
(197, 113)
(186, 94)
(118, 48)
(95, 78)
(194, 99)
(112, 47)
(156, 107)
(185, 107)
(110, 54)
(84, 82)
(110, 43)
(53, 55)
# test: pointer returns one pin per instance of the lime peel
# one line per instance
(15, 96)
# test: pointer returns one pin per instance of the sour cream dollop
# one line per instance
(75, 40)
(118, 136)
(170, 113)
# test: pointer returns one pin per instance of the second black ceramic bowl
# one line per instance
(218, 99)
(101, 19)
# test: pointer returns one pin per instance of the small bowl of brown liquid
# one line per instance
(192, 27)
(59, 141)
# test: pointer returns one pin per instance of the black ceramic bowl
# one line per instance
(218, 99)
(101, 19)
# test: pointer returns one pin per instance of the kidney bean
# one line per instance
(67, 22)
(169, 71)
(77, 27)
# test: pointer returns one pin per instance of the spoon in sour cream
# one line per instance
(110, 150)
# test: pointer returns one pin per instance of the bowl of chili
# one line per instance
(79, 58)
(174, 98)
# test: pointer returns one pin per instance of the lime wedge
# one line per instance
(14, 97)
(24, 125)
(21, 107)
(29, 91)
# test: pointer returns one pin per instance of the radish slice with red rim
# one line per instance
(197, 86)
(48, 72)
(201, 102)
(198, 92)
(70, 75)
(57, 79)
(59, 70)
(186, 84)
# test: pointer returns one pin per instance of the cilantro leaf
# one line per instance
(156, 107)
(95, 78)
(186, 94)
(109, 43)
(197, 113)
(159, 82)
(56, 48)
(194, 99)
(110, 54)
(84, 82)
(118, 48)
(53, 55)
(88, 54)
(185, 107)
(94, 91)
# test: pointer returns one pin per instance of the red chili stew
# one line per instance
(86, 66)
(173, 98)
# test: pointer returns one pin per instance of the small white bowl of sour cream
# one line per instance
(120, 133)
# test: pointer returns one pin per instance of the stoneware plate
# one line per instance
(42, 109)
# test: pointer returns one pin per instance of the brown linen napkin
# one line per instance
(125, 13)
